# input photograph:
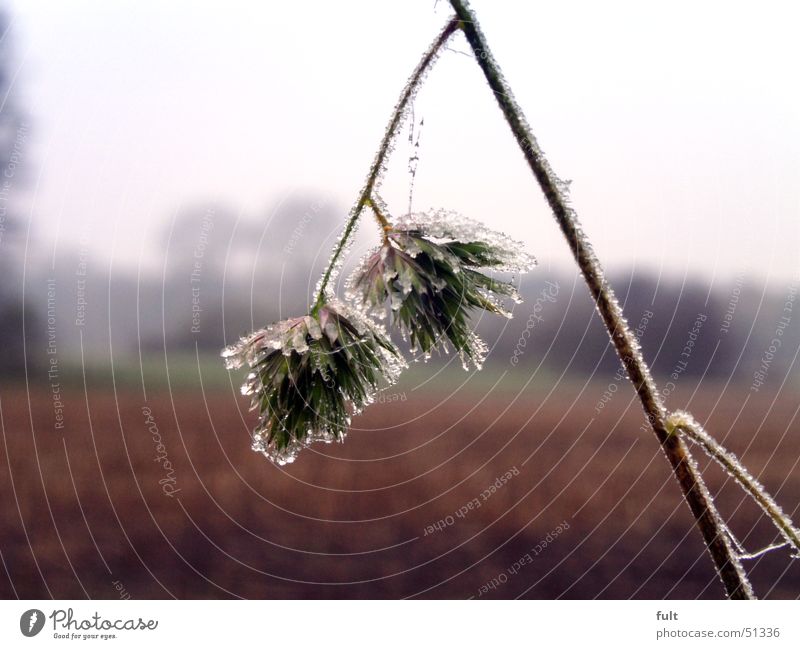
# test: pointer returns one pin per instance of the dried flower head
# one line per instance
(310, 374)
(428, 272)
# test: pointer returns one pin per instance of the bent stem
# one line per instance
(383, 222)
(366, 195)
(694, 490)
(686, 424)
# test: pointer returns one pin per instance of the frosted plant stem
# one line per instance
(696, 494)
(380, 158)
(383, 222)
(763, 551)
(686, 424)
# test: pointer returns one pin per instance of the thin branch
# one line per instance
(685, 423)
(763, 551)
(379, 163)
(555, 190)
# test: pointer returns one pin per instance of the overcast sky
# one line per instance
(678, 123)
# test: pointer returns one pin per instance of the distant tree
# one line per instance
(13, 137)
(210, 253)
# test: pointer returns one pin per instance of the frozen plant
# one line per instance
(428, 275)
(683, 423)
(309, 374)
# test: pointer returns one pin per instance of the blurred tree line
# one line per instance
(220, 274)
(15, 315)
(223, 275)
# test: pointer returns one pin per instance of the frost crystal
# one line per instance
(428, 276)
(446, 225)
(310, 374)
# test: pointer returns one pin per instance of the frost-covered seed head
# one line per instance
(309, 374)
(428, 275)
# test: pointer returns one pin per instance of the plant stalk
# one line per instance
(383, 222)
(694, 490)
(686, 424)
(396, 120)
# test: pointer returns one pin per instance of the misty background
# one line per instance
(176, 174)
(180, 176)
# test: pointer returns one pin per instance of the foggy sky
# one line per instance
(679, 125)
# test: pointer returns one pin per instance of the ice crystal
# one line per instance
(310, 374)
(508, 255)
(427, 274)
